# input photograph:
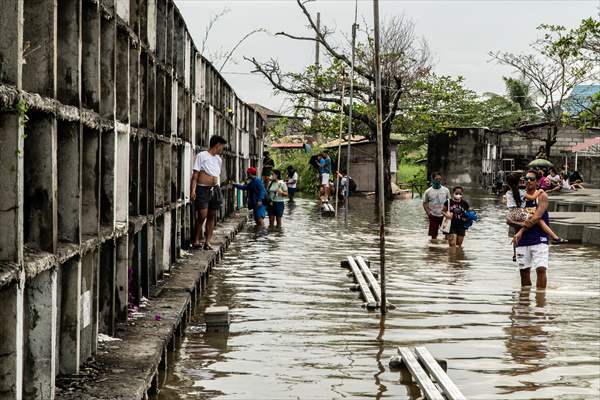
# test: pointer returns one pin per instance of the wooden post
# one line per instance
(381, 194)
(350, 105)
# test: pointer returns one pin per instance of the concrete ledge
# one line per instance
(134, 367)
(591, 235)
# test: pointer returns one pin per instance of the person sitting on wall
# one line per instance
(205, 191)
(575, 178)
(541, 153)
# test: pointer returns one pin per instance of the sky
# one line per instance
(460, 34)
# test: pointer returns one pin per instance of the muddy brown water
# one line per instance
(298, 332)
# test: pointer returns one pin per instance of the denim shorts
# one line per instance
(276, 209)
(259, 212)
(208, 197)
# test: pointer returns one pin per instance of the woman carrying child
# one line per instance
(516, 199)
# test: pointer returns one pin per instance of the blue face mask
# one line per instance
(436, 184)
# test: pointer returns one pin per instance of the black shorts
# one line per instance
(208, 197)
(458, 228)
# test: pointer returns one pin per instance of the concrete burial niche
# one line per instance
(42, 318)
(69, 165)
(11, 345)
(40, 179)
(115, 102)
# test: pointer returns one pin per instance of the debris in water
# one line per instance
(105, 338)
(157, 317)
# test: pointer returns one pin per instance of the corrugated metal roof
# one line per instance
(586, 145)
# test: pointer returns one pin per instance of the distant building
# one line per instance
(469, 157)
(291, 125)
(580, 98)
(363, 158)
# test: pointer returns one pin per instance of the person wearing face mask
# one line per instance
(433, 204)
(455, 208)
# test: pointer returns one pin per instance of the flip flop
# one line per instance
(207, 247)
(196, 246)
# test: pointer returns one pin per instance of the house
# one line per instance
(279, 125)
(469, 157)
(363, 158)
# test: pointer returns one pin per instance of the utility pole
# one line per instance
(381, 194)
(317, 67)
(351, 105)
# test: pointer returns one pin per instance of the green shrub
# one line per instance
(411, 173)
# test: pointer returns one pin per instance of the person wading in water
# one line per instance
(433, 203)
(205, 190)
(455, 209)
(292, 182)
(531, 240)
(256, 195)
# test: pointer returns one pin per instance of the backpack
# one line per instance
(351, 185)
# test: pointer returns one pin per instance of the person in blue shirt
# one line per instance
(325, 172)
(256, 195)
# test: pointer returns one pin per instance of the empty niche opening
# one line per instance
(90, 212)
(39, 159)
(69, 181)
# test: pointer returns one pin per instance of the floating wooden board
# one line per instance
(443, 380)
(373, 284)
(364, 287)
(430, 391)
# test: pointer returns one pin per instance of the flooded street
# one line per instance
(298, 332)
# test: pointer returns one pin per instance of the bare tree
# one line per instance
(209, 27)
(552, 75)
(405, 59)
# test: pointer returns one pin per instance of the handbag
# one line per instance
(267, 201)
(446, 222)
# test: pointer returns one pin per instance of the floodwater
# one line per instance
(298, 332)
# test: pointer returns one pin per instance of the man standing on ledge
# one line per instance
(205, 191)
(531, 241)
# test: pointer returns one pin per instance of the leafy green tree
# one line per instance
(519, 92)
(551, 70)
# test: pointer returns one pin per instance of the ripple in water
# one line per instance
(298, 332)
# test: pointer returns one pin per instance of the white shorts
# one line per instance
(325, 180)
(533, 256)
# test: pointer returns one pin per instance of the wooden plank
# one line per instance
(448, 387)
(430, 391)
(364, 287)
(370, 278)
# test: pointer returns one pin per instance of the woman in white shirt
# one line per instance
(292, 182)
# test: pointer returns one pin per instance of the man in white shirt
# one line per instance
(434, 199)
(205, 191)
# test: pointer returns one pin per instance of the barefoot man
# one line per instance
(205, 191)
(531, 241)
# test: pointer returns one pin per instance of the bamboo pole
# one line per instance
(351, 105)
(337, 177)
(381, 193)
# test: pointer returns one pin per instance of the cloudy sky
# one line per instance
(459, 33)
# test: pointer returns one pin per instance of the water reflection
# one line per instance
(527, 335)
(298, 331)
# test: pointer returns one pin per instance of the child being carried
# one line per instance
(516, 198)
